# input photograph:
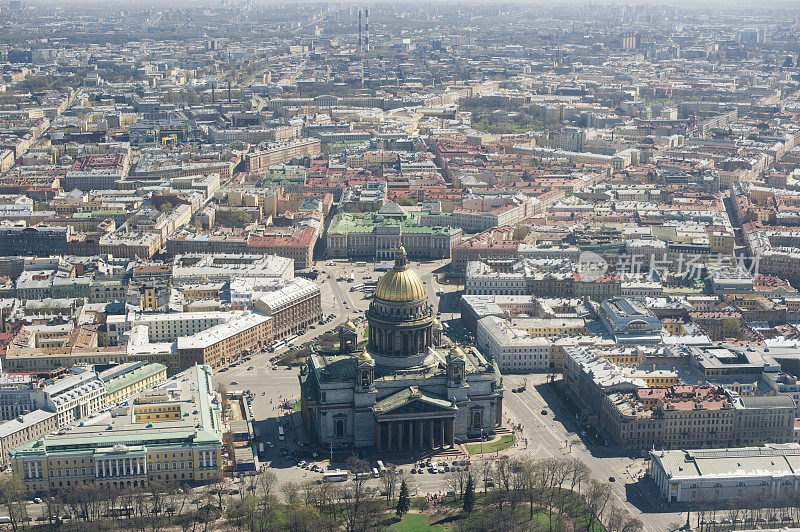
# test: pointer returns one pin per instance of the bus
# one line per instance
(277, 345)
(281, 434)
(337, 475)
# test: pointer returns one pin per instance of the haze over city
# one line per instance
(360, 266)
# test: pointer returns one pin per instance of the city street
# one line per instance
(557, 434)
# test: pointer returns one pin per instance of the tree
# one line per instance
(299, 517)
(358, 512)
(291, 492)
(457, 480)
(469, 495)
(596, 499)
(390, 479)
(12, 495)
(403, 501)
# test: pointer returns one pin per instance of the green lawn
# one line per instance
(296, 407)
(414, 523)
(505, 441)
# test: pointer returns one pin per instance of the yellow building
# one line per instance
(658, 378)
(129, 379)
(149, 300)
(201, 291)
(623, 357)
(721, 242)
(550, 327)
(132, 453)
(155, 407)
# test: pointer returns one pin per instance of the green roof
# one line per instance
(409, 395)
(310, 204)
(205, 432)
(345, 223)
(126, 379)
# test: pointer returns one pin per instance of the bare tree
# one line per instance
(596, 497)
(615, 519)
(12, 494)
(391, 480)
(486, 473)
(528, 480)
(217, 488)
(457, 481)
(632, 524)
(357, 512)
(265, 483)
(53, 508)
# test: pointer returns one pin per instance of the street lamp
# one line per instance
(481, 440)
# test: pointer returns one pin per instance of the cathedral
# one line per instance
(398, 389)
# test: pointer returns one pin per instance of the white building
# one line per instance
(514, 350)
(772, 471)
(164, 327)
(75, 397)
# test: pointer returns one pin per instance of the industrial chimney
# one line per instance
(366, 29)
(359, 31)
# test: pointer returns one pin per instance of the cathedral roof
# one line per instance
(412, 400)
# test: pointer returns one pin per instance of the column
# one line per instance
(451, 432)
(419, 433)
(96, 468)
(138, 466)
(400, 427)
(430, 434)
(29, 473)
(103, 465)
(410, 443)
(441, 433)
(117, 463)
(389, 436)
(36, 469)
(378, 434)
(144, 463)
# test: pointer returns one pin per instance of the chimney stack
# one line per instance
(366, 29)
(359, 31)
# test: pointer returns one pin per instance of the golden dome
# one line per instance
(349, 325)
(400, 283)
(437, 324)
